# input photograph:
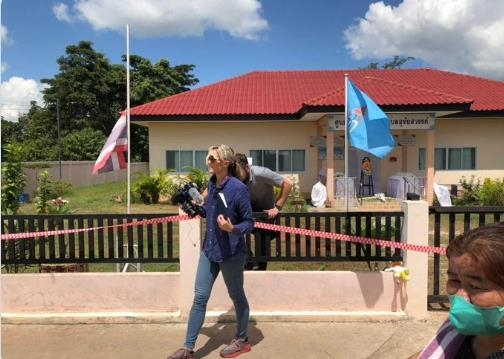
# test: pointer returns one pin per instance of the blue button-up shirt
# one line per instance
(234, 194)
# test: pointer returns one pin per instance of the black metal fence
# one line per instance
(153, 238)
(90, 238)
(289, 247)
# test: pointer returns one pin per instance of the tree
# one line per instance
(87, 88)
(148, 83)
(82, 145)
(91, 93)
(395, 63)
(12, 133)
(84, 100)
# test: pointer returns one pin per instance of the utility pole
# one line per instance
(59, 139)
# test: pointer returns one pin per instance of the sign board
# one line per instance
(317, 141)
(406, 140)
(320, 141)
(336, 123)
(398, 121)
(412, 121)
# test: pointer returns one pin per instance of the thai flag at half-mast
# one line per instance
(111, 157)
(368, 126)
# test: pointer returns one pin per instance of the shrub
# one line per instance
(295, 202)
(470, 193)
(13, 179)
(62, 188)
(199, 177)
(44, 192)
(492, 192)
(151, 186)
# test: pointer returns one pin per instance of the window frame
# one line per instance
(444, 157)
(285, 160)
(197, 159)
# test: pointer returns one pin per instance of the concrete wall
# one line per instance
(78, 173)
(324, 295)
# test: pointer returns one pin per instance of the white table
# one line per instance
(401, 183)
(339, 186)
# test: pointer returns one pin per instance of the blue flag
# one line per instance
(368, 125)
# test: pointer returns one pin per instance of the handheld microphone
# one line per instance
(196, 196)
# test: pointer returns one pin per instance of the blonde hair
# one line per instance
(226, 153)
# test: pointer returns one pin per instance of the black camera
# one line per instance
(189, 200)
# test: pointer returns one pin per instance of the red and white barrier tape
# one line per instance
(349, 238)
(78, 230)
(267, 226)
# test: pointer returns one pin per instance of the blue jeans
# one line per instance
(232, 272)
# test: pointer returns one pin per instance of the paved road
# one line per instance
(356, 340)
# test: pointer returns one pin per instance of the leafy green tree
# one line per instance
(82, 145)
(86, 96)
(395, 63)
(150, 82)
(35, 130)
(86, 89)
(12, 133)
(153, 81)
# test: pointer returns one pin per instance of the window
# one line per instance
(280, 160)
(182, 160)
(462, 158)
(450, 158)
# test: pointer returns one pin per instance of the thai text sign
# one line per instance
(402, 121)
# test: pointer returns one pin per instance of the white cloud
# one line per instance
(4, 40)
(156, 18)
(458, 35)
(4, 35)
(62, 13)
(17, 94)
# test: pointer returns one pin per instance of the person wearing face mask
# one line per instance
(475, 286)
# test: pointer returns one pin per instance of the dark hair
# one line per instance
(241, 159)
(485, 245)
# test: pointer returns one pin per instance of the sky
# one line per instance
(228, 38)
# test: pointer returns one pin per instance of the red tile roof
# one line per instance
(292, 92)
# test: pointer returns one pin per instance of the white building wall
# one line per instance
(484, 134)
(241, 136)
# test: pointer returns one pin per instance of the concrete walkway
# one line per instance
(359, 338)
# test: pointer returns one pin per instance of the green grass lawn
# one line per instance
(101, 199)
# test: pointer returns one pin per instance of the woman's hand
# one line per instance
(224, 223)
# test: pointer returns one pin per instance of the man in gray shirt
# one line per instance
(261, 182)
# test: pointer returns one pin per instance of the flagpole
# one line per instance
(346, 142)
(128, 118)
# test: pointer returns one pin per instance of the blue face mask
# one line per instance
(471, 320)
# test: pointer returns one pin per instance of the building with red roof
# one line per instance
(447, 126)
